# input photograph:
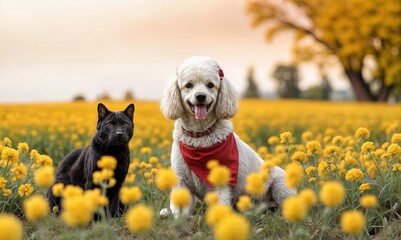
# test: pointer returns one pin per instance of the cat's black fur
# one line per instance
(114, 131)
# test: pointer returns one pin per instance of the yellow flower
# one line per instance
(10, 227)
(106, 174)
(219, 176)
(34, 155)
(130, 194)
(350, 160)
(310, 170)
(20, 171)
(7, 192)
(23, 147)
(362, 133)
(166, 179)
(332, 194)
(145, 150)
(211, 198)
(313, 147)
(9, 156)
(139, 219)
(44, 160)
(368, 147)
(364, 187)
(96, 198)
(130, 178)
(354, 174)
(396, 167)
(294, 174)
(153, 160)
(396, 138)
(25, 189)
(216, 213)
(234, 227)
(306, 136)
(57, 189)
(394, 149)
(312, 179)
(299, 157)
(352, 222)
(368, 201)
(181, 197)
(244, 203)
(72, 191)
(97, 177)
(262, 151)
(7, 142)
(77, 210)
(322, 168)
(36, 207)
(154, 171)
(331, 151)
(372, 170)
(211, 164)
(3, 183)
(142, 165)
(108, 162)
(379, 152)
(294, 209)
(286, 137)
(273, 140)
(338, 140)
(44, 176)
(255, 184)
(308, 196)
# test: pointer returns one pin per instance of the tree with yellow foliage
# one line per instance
(364, 36)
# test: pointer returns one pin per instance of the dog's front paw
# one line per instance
(164, 212)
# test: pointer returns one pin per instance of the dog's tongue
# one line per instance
(200, 112)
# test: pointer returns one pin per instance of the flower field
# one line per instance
(344, 159)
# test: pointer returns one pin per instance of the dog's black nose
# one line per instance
(201, 97)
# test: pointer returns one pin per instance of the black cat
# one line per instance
(114, 131)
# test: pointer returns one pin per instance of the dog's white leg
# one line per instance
(280, 191)
(225, 195)
(175, 210)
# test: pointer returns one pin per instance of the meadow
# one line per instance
(344, 159)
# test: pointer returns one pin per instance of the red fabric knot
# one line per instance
(221, 73)
(225, 152)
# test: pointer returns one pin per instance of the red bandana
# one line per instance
(225, 152)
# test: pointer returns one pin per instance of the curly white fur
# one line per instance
(200, 75)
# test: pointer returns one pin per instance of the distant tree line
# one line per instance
(287, 79)
(128, 95)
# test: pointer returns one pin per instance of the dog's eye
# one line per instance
(210, 85)
(189, 85)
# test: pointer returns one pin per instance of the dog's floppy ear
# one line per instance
(171, 104)
(227, 102)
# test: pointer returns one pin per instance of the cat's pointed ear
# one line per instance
(129, 111)
(102, 112)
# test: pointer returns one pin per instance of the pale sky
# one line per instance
(52, 50)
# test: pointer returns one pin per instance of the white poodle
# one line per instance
(201, 100)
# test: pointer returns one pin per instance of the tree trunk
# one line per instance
(361, 88)
(384, 92)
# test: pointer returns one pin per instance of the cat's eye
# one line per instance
(126, 124)
(210, 85)
(110, 124)
(189, 85)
